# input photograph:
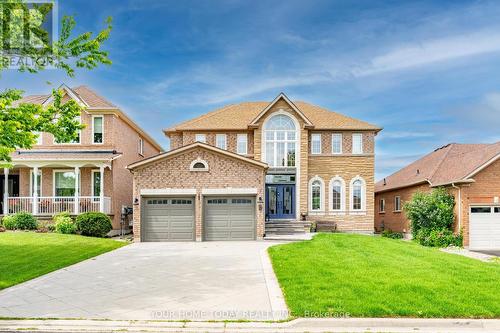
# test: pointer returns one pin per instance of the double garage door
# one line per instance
(484, 228)
(173, 219)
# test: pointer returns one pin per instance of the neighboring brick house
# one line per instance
(87, 175)
(232, 169)
(470, 172)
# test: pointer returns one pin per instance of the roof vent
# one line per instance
(385, 183)
(418, 171)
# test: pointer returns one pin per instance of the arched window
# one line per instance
(358, 194)
(337, 194)
(316, 194)
(280, 137)
(198, 165)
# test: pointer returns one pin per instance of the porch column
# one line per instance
(101, 187)
(35, 190)
(77, 190)
(6, 191)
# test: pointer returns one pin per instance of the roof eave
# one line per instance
(404, 186)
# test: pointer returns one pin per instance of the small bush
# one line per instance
(93, 224)
(438, 238)
(25, 221)
(9, 222)
(390, 234)
(64, 224)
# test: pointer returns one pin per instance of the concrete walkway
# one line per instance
(297, 326)
(160, 281)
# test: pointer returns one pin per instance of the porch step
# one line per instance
(287, 227)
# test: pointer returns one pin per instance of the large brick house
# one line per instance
(231, 170)
(81, 176)
(470, 172)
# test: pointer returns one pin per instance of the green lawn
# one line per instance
(366, 276)
(26, 255)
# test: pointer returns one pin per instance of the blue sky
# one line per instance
(426, 71)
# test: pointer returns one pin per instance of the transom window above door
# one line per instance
(280, 137)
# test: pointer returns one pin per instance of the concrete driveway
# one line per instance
(163, 281)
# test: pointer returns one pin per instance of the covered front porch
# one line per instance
(59, 186)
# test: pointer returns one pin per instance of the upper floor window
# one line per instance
(280, 137)
(242, 144)
(337, 143)
(220, 141)
(97, 129)
(140, 147)
(316, 143)
(397, 203)
(200, 138)
(77, 140)
(357, 143)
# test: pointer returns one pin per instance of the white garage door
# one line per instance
(484, 228)
(167, 219)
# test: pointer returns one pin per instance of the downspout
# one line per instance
(459, 206)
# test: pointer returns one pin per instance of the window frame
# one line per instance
(196, 161)
(275, 142)
(102, 129)
(238, 137)
(54, 182)
(341, 210)
(362, 209)
(337, 135)
(317, 136)
(381, 206)
(221, 135)
(200, 135)
(321, 209)
(92, 193)
(360, 136)
(397, 202)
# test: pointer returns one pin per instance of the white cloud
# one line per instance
(428, 52)
(405, 135)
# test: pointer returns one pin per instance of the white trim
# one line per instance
(361, 211)
(289, 102)
(93, 171)
(102, 125)
(297, 138)
(322, 196)
(396, 210)
(54, 180)
(140, 148)
(198, 160)
(229, 191)
(245, 136)
(313, 136)
(39, 184)
(341, 143)
(342, 209)
(168, 191)
(220, 135)
(482, 167)
(71, 94)
(360, 135)
(198, 137)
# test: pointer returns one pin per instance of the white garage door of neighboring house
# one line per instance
(168, 219)
(484, 228)
(229, 218)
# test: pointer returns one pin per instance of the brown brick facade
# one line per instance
(174, 173)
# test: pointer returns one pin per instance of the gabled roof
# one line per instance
(453, 163)
(92, 103)
(241, 116)
(174, 152)
(287, 100)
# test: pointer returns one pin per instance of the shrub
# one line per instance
(9, 222)
(25, 221)
(430, 211)
(64, 224)
(390, 234)
(93, 224)
(438, 238)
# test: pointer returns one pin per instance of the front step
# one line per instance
(286, 228)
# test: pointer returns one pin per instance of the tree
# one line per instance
(25, 37)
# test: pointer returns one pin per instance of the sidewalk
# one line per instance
(352, 325)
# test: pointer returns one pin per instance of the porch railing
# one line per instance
(54, 205)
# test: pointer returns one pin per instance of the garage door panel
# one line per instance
(484, 228)
(168, 219)
(229, 218)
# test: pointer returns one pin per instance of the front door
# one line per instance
(280, 201)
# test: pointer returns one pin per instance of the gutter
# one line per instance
(459, 206)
